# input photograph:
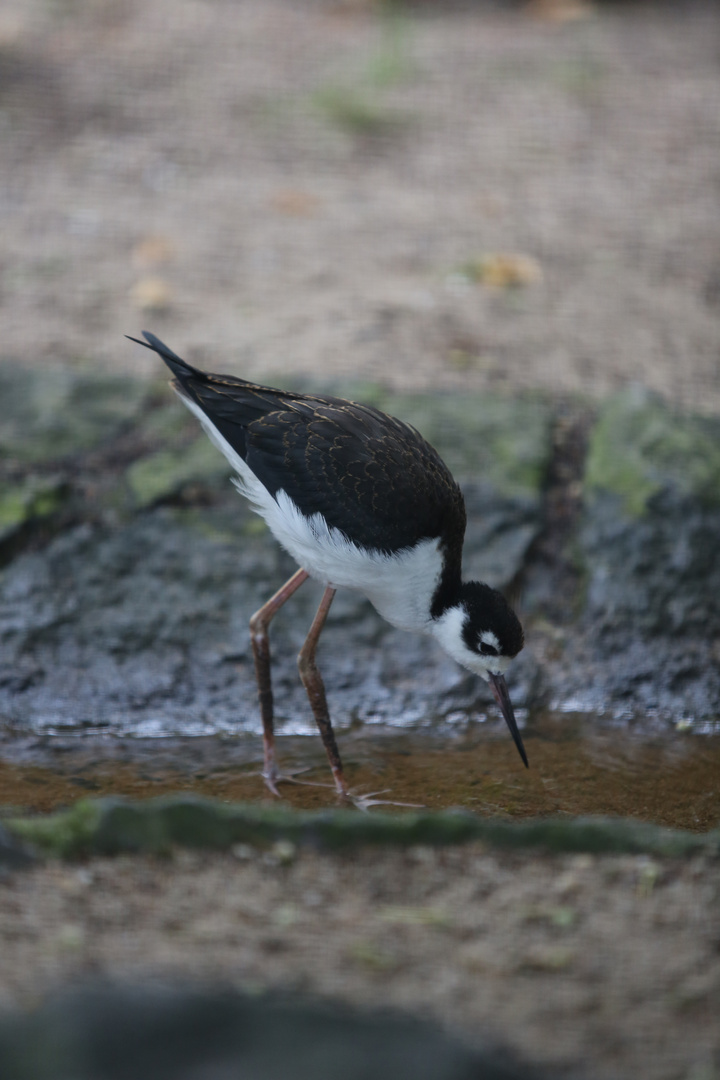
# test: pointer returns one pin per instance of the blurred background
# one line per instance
(431, 195)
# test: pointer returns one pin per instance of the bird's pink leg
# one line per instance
(312, 681)
(259, 624)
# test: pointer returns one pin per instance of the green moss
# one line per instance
(13, 508)
(110, 826)
(57, 412)
(64, 833)
(165, 473)
(639, 446)
(31, 500)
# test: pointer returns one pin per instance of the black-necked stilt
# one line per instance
(361, 500)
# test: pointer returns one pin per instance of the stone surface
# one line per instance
(135, 619)
(14, 855)
(650, 543)
(651, 531)
(144, 629)
(137, 622)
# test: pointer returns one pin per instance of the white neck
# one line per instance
(448, 631)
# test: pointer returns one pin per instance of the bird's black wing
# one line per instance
(371, 476)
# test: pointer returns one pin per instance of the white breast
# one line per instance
(399, 586)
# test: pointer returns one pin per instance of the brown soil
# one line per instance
(312, 188)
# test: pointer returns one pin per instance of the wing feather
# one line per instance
(370, 475)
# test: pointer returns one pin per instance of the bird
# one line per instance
(359, 500)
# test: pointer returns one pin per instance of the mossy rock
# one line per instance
(111, 826)
(162, 475)
(650, 528)
(57, 412)
(28, 501)
(640, 447)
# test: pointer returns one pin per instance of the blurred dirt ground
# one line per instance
(595, 967)
(343, 187)
(435, 196)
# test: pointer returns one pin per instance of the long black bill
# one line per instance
(502, 696)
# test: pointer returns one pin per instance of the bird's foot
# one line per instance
(365, 802)
(272, 779)
(361, 802)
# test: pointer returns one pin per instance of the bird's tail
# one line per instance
(179, 367)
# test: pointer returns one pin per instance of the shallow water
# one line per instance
(578, 765)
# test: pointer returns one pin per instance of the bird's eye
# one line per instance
(487, 650)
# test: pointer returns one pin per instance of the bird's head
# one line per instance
(482, 632)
